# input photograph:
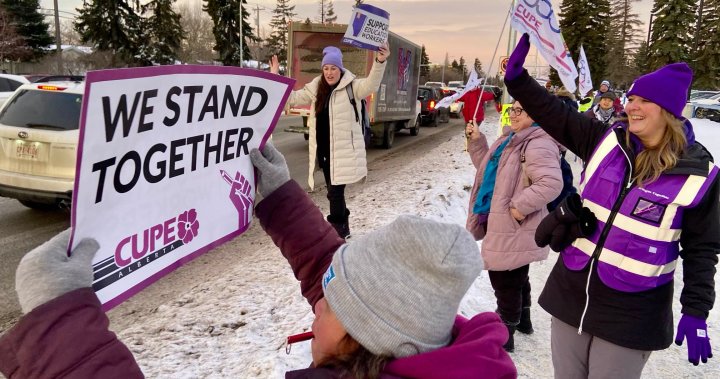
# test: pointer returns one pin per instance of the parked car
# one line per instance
(429, 114)
(435, 84)
(8, 84)
(699, 95)
(39, 137)
(707, 108)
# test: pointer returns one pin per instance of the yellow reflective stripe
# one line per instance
(606, 146)
(636, 227)
(687, 194)
(625, 263)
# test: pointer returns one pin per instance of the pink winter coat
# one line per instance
(507, 243)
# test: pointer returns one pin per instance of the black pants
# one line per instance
(335, 194)
(512, 291)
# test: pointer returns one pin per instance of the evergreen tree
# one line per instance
(322, 11)
(30, 24)
(13, 44)
(164, 32)
(461, 67)
(641, 60)
(358, 2)
(111, 26)
(455, 66)
(477, 66)
(424, 63)
(277, 42)
(706, 62)
(224, 14)
(586, 23)
(330, 16)
(623, 36)
(672, 32)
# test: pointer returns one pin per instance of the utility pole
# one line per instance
(257, 19)
(58, 42)
(512, 37)
(443, 70)
(241, 31)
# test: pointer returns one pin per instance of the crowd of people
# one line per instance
(385, 303)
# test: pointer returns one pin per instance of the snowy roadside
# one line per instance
(235, 324)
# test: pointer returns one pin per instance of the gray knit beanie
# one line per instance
(397, 290)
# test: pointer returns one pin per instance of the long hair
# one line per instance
(653, 161)
(358, 363)
(323, 92)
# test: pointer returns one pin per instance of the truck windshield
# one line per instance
(43, 109)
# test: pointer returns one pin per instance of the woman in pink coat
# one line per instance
(516, 177)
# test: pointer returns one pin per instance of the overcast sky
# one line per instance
(467, 28)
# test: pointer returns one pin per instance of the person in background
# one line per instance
(655, 192)
(516, 178)
(385, 304)
(603, 111)
(586, 102)
(605, 88)
(471, 111)
(336, 141)
(567, 97)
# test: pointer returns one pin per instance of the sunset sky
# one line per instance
(467, 28)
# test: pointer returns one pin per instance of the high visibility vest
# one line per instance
(504, 118)
(586, 106)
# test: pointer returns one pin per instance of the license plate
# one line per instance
(27, 150)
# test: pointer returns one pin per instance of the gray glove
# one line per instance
(47, 272)
(272, 169)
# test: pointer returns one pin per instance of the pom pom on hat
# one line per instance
(667, 87)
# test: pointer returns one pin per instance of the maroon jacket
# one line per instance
(67, 337)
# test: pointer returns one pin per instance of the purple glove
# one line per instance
(695, 331)
(517, 58)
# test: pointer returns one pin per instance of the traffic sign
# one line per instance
(503, 64)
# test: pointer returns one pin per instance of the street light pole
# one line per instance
(443, 70)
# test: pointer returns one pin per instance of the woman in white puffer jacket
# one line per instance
(336, 139)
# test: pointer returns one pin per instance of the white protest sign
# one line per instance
(163, 172)
(584, 79)
(368, 28)
(537, 18)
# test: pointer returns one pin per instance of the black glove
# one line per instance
(569, 221)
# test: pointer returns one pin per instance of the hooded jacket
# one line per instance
(348, 163)
(308, 242)
(508, 244)
(627, 264)
(471, 98)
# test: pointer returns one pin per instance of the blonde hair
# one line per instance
(653, 161)
(357, 362)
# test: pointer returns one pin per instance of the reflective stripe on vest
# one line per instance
(644, 237)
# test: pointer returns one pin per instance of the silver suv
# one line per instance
(38, 143)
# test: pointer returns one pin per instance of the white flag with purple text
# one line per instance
(537, 18)
(584, 79)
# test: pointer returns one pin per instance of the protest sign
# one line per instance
(537, 18)
(163, 172)
(368, 28)
(584, 79)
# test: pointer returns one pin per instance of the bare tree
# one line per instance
(623, 39)
(68, 34)
(198, 44)
(12, 44)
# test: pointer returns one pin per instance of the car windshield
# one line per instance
(43, 110)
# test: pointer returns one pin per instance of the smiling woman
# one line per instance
(655, 191)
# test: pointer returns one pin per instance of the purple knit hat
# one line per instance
(332, 55)
(667, 87)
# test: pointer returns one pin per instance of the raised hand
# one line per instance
(274, 65)
(383, 53)
(517, 58)
(273, 171)
(241, 197)
(48, 272)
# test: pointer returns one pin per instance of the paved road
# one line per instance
(22, 229)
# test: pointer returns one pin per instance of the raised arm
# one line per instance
(363, 87)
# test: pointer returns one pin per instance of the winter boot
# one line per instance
(342, 226)
(525, 325)
(510, 344)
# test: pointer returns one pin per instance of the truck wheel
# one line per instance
(416, 129)
(388, 136)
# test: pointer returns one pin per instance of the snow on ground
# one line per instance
(235, 325)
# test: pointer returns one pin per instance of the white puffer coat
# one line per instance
(348, 163)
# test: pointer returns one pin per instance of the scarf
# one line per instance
(604, 115)
(485, 193)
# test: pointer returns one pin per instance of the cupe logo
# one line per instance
(157, 238)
